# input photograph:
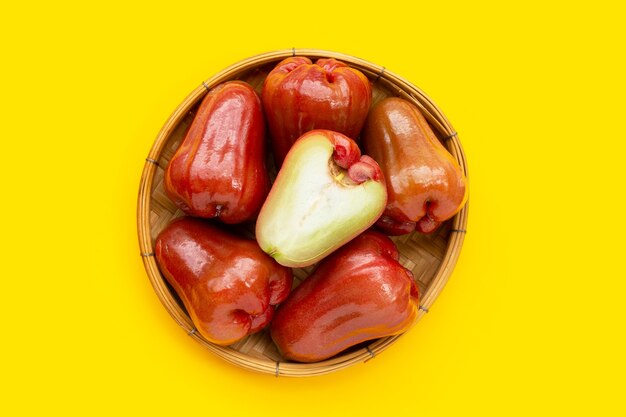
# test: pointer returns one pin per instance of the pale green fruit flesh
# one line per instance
(314, 208)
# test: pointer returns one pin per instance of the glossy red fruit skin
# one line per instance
(425, 184)
(299, 95)
(219, 169)
(228, 285)
(358, 293)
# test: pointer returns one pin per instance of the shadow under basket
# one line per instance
(431, 258)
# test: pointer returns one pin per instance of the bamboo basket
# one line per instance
(431, 258)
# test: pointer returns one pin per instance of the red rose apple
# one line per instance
(219, 169)
(227, 284)
(299, 96)
(425, 183)
(359, 293)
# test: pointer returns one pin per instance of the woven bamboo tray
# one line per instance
(431, 258)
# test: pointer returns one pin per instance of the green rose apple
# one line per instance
(325, 194)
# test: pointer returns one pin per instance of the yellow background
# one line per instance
(532, 319)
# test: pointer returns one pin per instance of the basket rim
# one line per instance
(455, 240)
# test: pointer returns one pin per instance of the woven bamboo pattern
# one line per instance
(431, 258)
